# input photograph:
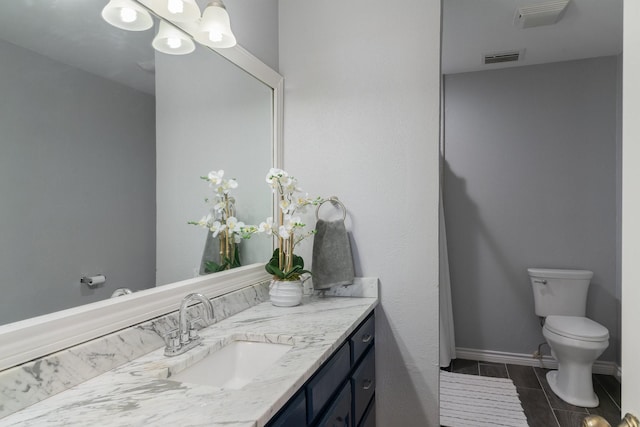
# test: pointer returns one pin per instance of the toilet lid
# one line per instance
(579, 328)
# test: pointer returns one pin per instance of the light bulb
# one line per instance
(171, 40)
(215, 36)
(215, 28)
(174, 42)
(175, 6)
(128, 15)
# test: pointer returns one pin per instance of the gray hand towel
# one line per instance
(332, 262)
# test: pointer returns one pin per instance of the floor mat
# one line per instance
(474, 401)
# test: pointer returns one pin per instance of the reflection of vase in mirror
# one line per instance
(222, 248)
(220, 253)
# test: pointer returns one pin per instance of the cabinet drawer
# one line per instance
(362, 339)
(363, 382)
(339, 414)
(326, 382)
(294, 414)
(369, 419)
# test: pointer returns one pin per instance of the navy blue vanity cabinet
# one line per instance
(369, 419)
(361, 339)
(342, 392)
(326, 381)
(294, 413)
(363, 385)
(339, 413)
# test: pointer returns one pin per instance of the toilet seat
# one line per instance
(578, 328)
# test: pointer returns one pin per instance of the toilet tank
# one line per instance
(560, 292)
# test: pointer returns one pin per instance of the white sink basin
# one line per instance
(234, 365)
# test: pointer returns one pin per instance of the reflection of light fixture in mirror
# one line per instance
(172, 41)
(215, 28)
(127, 15)
(177, 10)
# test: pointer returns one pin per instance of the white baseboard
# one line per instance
(599, 367)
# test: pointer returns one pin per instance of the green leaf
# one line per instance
(212, 267)
(273, 270)
(236, 257)
(297, 260)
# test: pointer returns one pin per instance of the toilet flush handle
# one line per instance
(541, 281)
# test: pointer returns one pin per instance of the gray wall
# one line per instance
(530, 181)
(255, 25)
(361, 123)
(77, 185)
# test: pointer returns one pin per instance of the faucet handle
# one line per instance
(172, 340)
(184, 335)
(174, 343)
(166, 336)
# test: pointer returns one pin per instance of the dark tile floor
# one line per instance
(541, 406)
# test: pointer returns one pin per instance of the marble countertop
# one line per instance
(139, 393)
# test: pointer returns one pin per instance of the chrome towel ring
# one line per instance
(335, 201)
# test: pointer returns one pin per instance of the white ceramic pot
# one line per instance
(285, 293)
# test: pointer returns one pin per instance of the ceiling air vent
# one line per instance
(539, 14)
(498, 58)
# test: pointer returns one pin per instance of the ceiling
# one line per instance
(74, 33)
(473, 28)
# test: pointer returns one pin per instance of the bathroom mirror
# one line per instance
(103, 142)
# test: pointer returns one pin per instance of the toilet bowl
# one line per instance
(575, 342)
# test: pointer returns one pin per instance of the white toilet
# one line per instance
(560, 296)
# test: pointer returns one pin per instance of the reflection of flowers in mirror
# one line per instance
(221, 221)
(288, 229)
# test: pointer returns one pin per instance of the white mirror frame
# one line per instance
(38, 336)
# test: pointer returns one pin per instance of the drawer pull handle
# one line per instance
(367, 338)
(366, 384)
(342, 421)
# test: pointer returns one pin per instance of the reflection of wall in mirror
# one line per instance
(210, 115)
(77, 181)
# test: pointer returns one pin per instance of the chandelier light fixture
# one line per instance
(127, 15)
(215, 27)
(172, 40)
(177, 10)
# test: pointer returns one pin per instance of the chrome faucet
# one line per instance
(121, 292)
(186, 337)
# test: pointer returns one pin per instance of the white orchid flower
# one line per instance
(285, 205)
(283, 232)
(267, 227)
(290, 223)
(228, 184)
(215, 177)
(216, 228)
(219, 207)
(275, 177)
(301, 203)
(234, 225)
(275, 174)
